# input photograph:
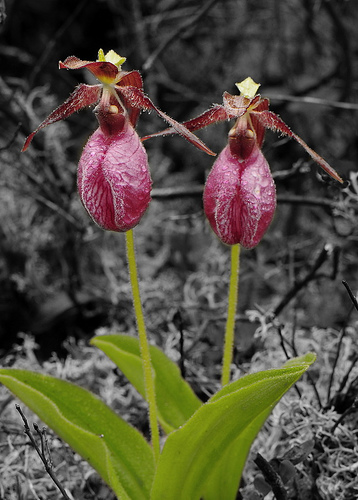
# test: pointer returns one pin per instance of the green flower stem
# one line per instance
(144, 346)
(230, 321)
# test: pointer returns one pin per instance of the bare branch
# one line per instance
(312, 274)
(351, 409)
(314, 100)
(193, 20)
(41, 452)
(271, 477)
(350, 293)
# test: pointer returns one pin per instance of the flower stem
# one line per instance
(144, 345)
(231, 311)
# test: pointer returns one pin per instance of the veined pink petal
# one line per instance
(240, 198)
(113, 179)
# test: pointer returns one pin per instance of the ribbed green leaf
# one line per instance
(205, 457)
(176, 400)
(115, 449)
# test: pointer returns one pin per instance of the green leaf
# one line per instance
(115, 449)
(176, 400)
(205, 457)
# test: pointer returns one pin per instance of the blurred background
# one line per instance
(61, 276)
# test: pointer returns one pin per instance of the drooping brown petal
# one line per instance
(133, 79)
(136, 98)
(81, 97)
(100, 69)
(270, 120)
(213, 115)
(233, 107)
(261, 105)
(73, 62)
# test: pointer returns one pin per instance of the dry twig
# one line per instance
(201, 12)
(42, 452)
(311, 275)
(271, 477)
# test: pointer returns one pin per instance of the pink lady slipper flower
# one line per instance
(239, 194)
(113, 177)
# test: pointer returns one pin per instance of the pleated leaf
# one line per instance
(118, 452)
(204, 459)
(176, 400)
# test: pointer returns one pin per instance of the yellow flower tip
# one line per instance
(248, 87)
(101, 56)
(111, 57)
